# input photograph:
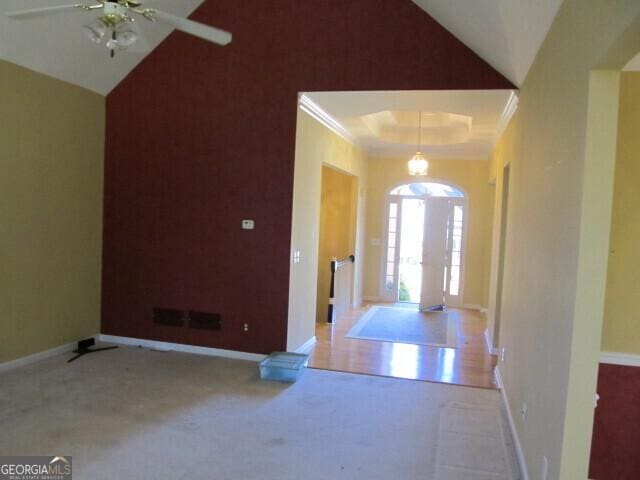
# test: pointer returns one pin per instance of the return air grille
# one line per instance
(168, 316)
(205, 321)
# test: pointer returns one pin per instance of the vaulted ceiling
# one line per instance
(505, 33)
(56, 46)
(634, 64)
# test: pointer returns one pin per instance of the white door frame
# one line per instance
(457, 300)
(385, 294)
(392, 295)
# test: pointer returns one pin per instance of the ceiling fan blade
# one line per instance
(201, 30)
(40, 12)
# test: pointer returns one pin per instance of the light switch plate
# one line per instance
(248, 224)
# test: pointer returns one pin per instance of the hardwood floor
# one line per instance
(468, 364)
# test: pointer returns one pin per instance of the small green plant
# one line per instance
(403, 292)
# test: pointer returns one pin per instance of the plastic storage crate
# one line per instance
(283, 366)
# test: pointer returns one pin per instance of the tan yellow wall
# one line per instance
(51, 159)
(621, 329)
(557, 230)
(470, 175)
(336, 229)
(317, 145)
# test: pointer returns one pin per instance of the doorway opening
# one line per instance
(410, 252)
(358, 315)
(424, 245)
(504, 207)
(336, 243)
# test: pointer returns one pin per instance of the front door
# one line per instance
(434, 257)
(424, 251)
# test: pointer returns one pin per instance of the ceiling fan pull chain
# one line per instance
(114, 38)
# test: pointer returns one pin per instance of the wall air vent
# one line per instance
(205, 321)
(168, 316)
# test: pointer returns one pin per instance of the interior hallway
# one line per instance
(469, 364)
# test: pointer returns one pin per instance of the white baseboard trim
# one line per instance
(487, 338)
(620, 358)
(307, 346)
(180, 347)
(522, 461)
(473, 306)
(36, 357)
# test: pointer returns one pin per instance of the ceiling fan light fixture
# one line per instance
(112, 44)
(122, 40)
(95, 31)
(126, 37)
(112, 26)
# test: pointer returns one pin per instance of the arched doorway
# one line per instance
(424, 245)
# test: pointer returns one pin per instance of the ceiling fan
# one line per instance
(117, 22)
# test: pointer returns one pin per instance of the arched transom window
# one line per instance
(427, 189)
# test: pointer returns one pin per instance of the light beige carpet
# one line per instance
(137, 414)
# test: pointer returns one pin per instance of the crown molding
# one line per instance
(314, 110)
(507, 114)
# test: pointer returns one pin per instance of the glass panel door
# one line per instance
(453, 280)
(410, 258)
(435, 253)
(391, 254)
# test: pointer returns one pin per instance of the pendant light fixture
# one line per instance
(418, 165)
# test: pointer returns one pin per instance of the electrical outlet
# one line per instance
(545, 468)
(523, 412)
(246, 327)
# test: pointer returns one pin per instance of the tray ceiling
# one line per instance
(455, 123)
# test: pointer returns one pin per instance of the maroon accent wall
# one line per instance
(201, 136)
(615, 449)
